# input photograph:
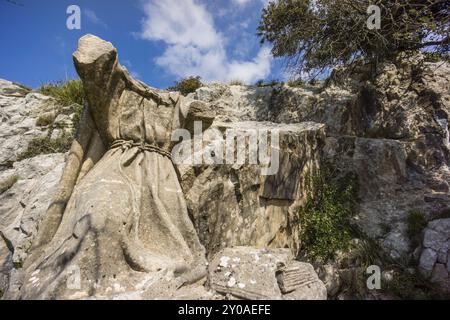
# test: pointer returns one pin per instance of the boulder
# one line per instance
(255, 274)
(435, 257)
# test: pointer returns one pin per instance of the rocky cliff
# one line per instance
(391, 133)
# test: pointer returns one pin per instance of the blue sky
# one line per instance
(159, 41)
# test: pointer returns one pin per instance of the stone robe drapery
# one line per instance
(120, 212)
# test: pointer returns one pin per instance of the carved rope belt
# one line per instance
(143, 146)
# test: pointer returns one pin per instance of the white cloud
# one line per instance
(251, 70)
(92, 17)
(194, 46)
(241, 2)
(245, 2)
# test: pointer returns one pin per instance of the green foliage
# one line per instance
(45, 119)
(70, 98)
(70, 95)
(275, 82)
(416, 223)
(335, 32)
(410, 284)
(18, 265)
(66, 93)
(296, 83)
(406, 283)
(436, 56)
(271, 83)
(366, 252)
(326, 217)
(47, 145)
(236, 82)
(187, 85)
(8, 183)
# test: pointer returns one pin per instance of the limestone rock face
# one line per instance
(236, 205)
(393, 137)
(20, 111)
(22, 207)
(392, 134)
(251, 273)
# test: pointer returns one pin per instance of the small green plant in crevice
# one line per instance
(270, 83)
(47, 145)
(325, 219)
(7, 183)
(296, 83)
(45, 119)
(366, 251)
(416, 222)
(410, 284)
(435, 56)
(70, 97)
(406, 280)
(187, 85)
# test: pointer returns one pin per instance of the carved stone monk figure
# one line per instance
(120, 213)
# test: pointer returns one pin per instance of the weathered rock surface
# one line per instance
(22, 207)
(435, 257)
(251, 273)
(237, 205)
(20, 111)
(393, 135)
(72, 253)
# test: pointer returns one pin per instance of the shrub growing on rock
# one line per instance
(47, 145)
(187, 85)
(70, 97)
(236, 82)
(326, 217)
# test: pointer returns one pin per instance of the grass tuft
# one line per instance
(47, 145)
(66, 93)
